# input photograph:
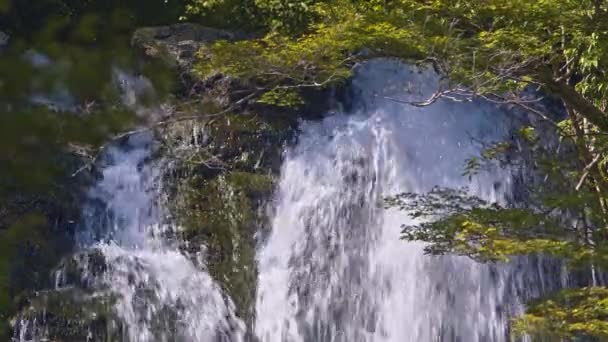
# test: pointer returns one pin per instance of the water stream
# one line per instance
(334, 268)
(162, 295)
(159, 294)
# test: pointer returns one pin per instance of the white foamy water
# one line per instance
(334, 268)
(161, 294)
(158, 294)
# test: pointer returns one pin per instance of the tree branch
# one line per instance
(164, 123)
(577, 101)
(587, 170)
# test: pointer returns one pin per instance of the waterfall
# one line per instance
(334, 268)
(158, 293)
(153, 279)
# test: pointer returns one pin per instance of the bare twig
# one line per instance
(93, 157)
(587, 170)
(432, 99)
(524, 104)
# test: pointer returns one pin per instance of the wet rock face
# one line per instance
(72, 310)
(221, 206)
(176, 47)
(68, 315)
(34, 234)
(219, 221)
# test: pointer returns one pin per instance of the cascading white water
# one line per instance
(333, 267)
(159, 295)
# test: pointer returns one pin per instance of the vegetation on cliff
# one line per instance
(220, 203)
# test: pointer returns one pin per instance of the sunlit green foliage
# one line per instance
(256, 15)
(458, 223)
(313, 60)
(485, 47)
(568, 314)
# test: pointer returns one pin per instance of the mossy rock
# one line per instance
(69, 315)
(75, 310)
(31, 245)
(250, 142)
(219, 217)
(242, 142)
(37, 228)
(176, 45)
(221, 208)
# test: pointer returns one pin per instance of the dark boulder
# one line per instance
(177, 44)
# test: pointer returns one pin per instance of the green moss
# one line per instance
(221, 215)
(566, 315)
(25, 258)
(72, 314)
(234, 141)
(252, 184)
(218, 209)
(244, 125)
